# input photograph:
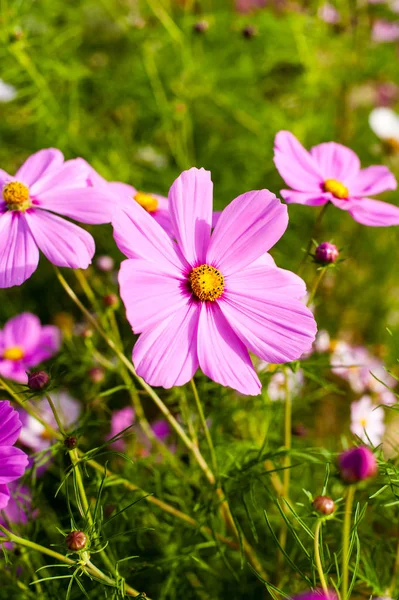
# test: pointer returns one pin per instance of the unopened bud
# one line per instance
(201, 26)
(76, 540)
(326, 253)
(96, 374)
(249, 31)
(38, 380)
(324, 505)
(105, 263)
(357, 464)
(71, 442)
(111, 300)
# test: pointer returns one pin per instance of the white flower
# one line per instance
(322, 341)
(367, 421)
(277, 386)
(385, 123)
(7, 92)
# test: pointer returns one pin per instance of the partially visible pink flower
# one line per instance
(208, 299)
(124, 418)
(25, 343)
(385, 31)
(13, 461)
(45, 185)
(329, 14)
(322, 342)
(33, 434)
(367, 421)
(246, 6)
(316, 595)
(331, 172)
(17, 509)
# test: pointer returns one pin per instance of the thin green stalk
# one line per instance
(55, 414)
(315, 230)
(287, 435)
(316, 285)
(346, 532)
(204, 425)
(317, 557)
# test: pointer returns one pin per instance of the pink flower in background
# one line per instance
(385, 31)
(245, 6)
(17, 510)
(124, 418)
(276, 389)
(316, 595)
(329, 14)
(13, 461)
(331, 172)
(45, 185)
(33, 434)
(25, 343)
(206, 300)
(367, 421)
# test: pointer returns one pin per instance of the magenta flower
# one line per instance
(124, 418)
(206, 300)
(331, 172)
(316, 595)
(24, 343)
(357, 464)
(45, 185)
(13, 461)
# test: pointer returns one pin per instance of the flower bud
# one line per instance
(326, 253)
(96, 374)
(249, 31)
(201, 26)
(71, 442)
(324, 505)
(105, 263)
(357, 464)
(111, 300)
(38, 380)
(299, 430)
(76, 540)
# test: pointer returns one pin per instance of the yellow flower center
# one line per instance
(149, 203)
(16, 196)
(207, 283)
(363, 422)
(15, 353)
(336, 188)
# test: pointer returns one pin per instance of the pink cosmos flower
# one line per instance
(367, 421)
(331, 172)
(208, 299)
(45, 185)
(124, 418)
(385, 31)
(17, 509)
(24, 343)
(13, 461)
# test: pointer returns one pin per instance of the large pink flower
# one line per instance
(45, 185)
(206, 300)
(331, 172)
(24, 344)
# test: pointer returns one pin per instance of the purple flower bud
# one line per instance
(357, 464)
(111, 300)
(38, 380)
(105, 263)
(201, 26)
(326, 253)
(316, 595)
(299, 430)
(71, 442)
(324, 505)
(76, 540)
(249, 31)
(96, 374)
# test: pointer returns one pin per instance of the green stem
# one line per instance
(316, 285)
(315, 230)
(317, 557)
(55, 414)
(346, 540)
(204, 425)
(287, 435)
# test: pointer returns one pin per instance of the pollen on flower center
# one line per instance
(363, 422)
(207, 283)
(16, 196)
(336, 188)
(149, 203)
(15, 353)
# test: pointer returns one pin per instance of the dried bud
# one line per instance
(111, 300)
(326, 253)
(249, 31)
(299, 430)
(105, 263)
(357, 464)
(96, 374)
(324, 505)
(76, 540)
(201, 26)
(38, 380)
(71, 442)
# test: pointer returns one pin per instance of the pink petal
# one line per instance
(72, 174)
(23, 330)
(123, 191)
(19, 255)
(4, 496)
(336, 162)
(150, 295)
(190, 209)
(62, 242)
(13, 463)
(15, 370)
(274, 326)
(167, 355)
(38, 164)
(48, 344)
(312, 199)
(138, 235)
(373, 180)
(87, 205)
(295, 165)
(374, 213)
(246, 229)
(10, 425)
(259, 278)
(5, 178)
(222, 356)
